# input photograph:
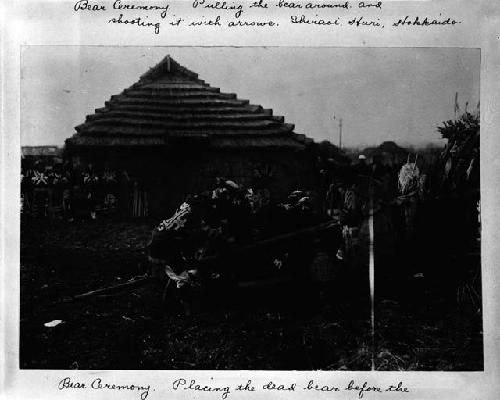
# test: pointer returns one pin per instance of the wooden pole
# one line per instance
(340, 133)
(371, 273)
(332, 135)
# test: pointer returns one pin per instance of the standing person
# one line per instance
(260, 182)
(377, 168)
(362, 168)
(350, 204)
(26, 188)
(78, 197)
(330, 197)
(90, 182)
(409, 183)
(57, 189)
(334, 200)
(346, 205)
(40, 182)
(79, 204)
(109, 187)
(67, 184)
(124, 194)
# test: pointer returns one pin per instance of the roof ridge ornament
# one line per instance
(167, 65)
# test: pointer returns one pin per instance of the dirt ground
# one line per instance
(420, 325)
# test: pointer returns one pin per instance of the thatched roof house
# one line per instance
(387, 153)
(47, 155)
(175, 133)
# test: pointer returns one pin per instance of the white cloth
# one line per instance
(184, 278)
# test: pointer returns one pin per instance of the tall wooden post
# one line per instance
(340, 133)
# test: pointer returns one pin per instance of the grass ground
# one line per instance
(299, 326)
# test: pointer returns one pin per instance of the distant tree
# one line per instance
(461, 156)
(329, 150)
(460, 129)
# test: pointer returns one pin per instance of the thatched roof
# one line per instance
(45, 151)
(170, 104)
(388, 147)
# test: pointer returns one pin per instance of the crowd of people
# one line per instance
(414, 202)
(60, 190)
(395, 188)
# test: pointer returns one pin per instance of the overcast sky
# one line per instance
(380, 93)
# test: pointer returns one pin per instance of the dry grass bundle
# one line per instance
(409, 178)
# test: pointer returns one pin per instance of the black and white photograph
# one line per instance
(250, 208)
